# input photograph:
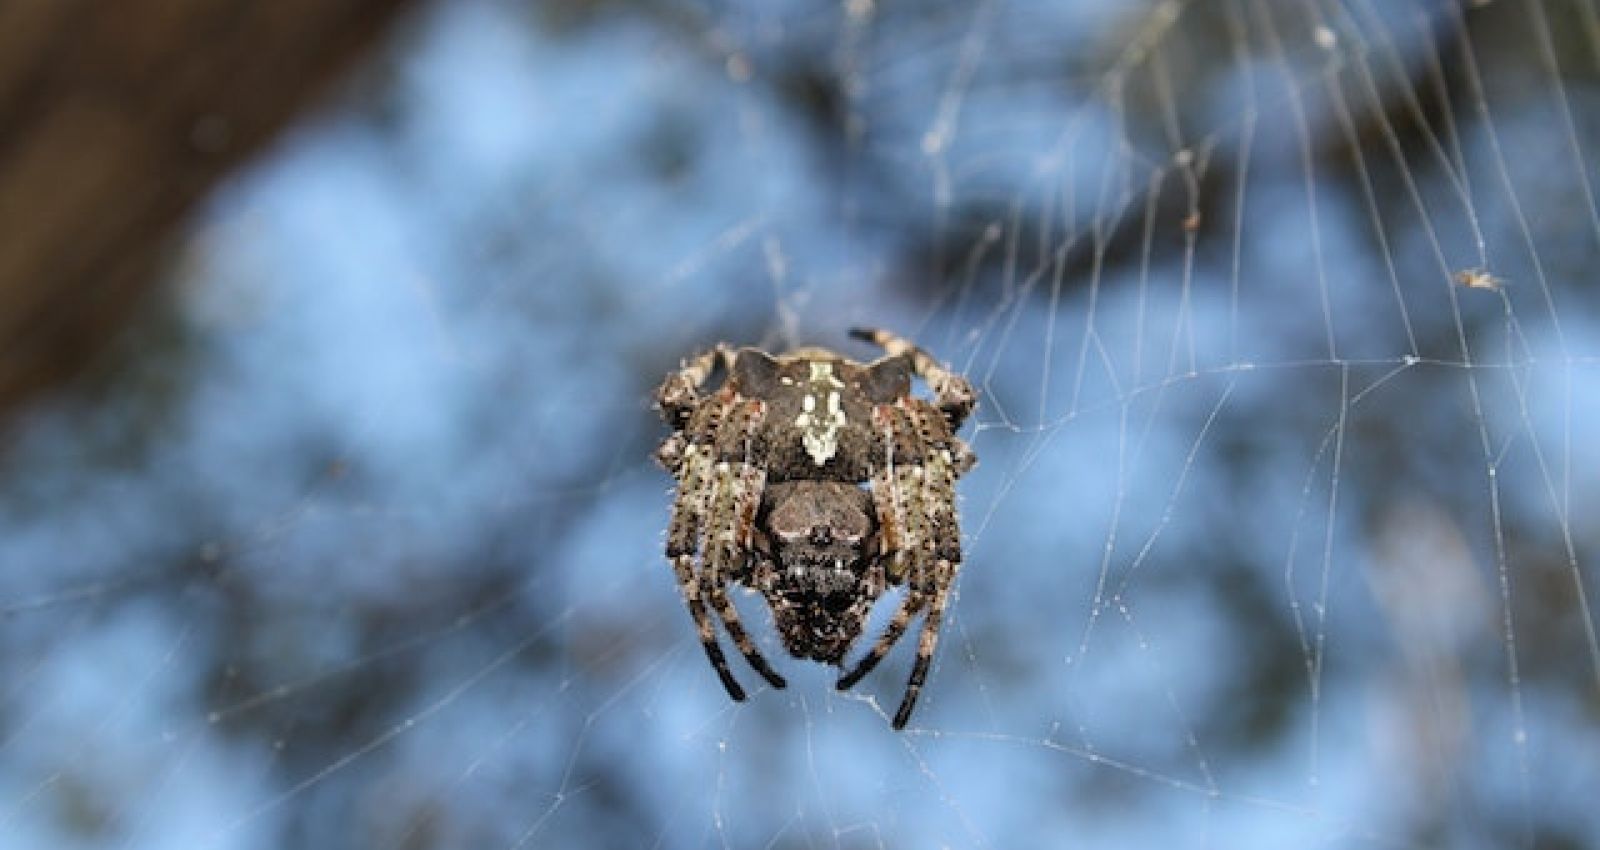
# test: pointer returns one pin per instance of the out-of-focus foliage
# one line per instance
(1280, 537)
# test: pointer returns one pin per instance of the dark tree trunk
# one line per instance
(116, 116)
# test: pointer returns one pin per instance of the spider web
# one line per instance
(1283, 532)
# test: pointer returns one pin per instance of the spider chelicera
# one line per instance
(819, 482)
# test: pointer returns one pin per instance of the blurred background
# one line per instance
(327, 514)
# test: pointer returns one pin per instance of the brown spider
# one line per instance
(770, 467)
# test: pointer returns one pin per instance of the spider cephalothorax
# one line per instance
(819, 575)
(818, 482)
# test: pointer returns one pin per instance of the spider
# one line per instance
(819, 482)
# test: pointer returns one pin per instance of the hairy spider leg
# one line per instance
(735, 500)
(719, 493)
(891, 634)
(898, 497)
(945, 458)
(683, 566)
(914, 493)
(695, 470)
(679, 394)
(897, 492)
(741, 638)
(698, 368)
(955, 396)
(939, 470)
(926, 643)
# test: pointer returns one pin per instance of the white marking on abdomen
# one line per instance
(820, 434)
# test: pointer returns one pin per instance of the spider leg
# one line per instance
(683, 565)
(956, 397)
(944, 571)
(913, 489)
(897, 493)
(735, 486)
(897, 501)
(891, 635)
(741, 638)
(679, 394)
(700, 483)
(945, 457)
(962, 460)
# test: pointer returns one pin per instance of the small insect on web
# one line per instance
(1478, 279)
(770, 468)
